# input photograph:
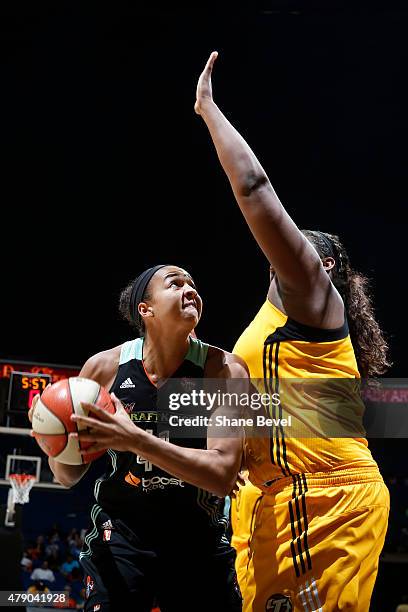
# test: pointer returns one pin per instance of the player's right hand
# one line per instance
(33, 405)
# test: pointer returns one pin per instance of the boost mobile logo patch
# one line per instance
(132, 479)
(158, 482)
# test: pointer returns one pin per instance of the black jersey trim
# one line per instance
(292, 330)
(270, 390)
(277, 443)
(285, 460)
(275, 384)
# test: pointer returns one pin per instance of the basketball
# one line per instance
(52, 423)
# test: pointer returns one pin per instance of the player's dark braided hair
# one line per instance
(124, 307)
(370, 346)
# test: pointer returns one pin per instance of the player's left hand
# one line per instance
(114, 431)
(204, 85)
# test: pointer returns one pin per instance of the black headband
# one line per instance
(138, 289)
(329, 244)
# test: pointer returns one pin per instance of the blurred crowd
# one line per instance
(50, 564)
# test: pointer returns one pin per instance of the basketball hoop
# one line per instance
(21, 485)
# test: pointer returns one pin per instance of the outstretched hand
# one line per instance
(204, 85)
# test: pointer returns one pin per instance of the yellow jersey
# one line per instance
(325, 412)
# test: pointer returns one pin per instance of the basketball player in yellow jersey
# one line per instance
(311, 526)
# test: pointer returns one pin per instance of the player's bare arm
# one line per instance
(305, 288)
(214, 469)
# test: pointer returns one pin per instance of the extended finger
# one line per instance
(88, 436)
(210, 62)
(102, 414)
(205, 77)
(119, 407)
(93, 449)
(90, 422)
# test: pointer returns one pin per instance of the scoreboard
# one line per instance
(20, 381)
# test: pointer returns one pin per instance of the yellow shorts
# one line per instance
(243, 509)
(312, 542)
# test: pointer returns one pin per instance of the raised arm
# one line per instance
(294, 260)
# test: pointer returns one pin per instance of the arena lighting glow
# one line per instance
(55, 371)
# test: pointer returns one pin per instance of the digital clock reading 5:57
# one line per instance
(24, 386)
(37, 383)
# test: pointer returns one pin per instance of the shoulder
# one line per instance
(222, 364)
(102, 366)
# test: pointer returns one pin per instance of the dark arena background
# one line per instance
(107, 170)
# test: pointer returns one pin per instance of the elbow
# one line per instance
(221, 491)
(225, 485)
(68, 483)
(67, 480)
(252, 182)
(67, 475)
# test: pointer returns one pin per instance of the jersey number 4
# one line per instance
(164, 435)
